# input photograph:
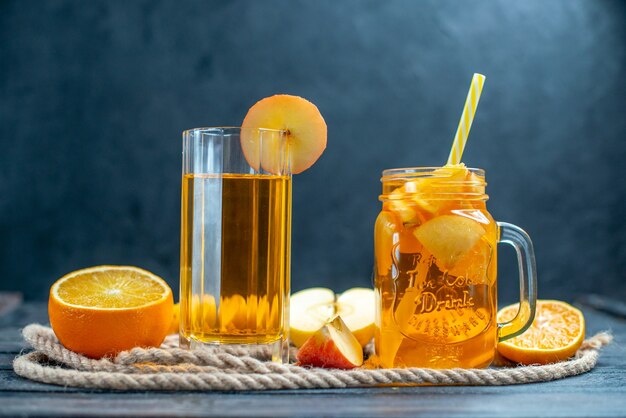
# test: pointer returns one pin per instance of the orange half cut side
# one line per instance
(556, 333)
(100, 311)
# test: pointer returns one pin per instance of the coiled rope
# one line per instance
(171, 368)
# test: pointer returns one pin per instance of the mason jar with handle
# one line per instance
(435, 270)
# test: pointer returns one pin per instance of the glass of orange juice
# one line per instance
(435, 270)
(235, 241)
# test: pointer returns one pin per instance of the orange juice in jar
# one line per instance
(435, 273)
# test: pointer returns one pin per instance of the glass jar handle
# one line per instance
(519, 239)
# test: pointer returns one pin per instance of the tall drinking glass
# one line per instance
(235, 240)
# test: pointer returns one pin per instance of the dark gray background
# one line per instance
(94, 96)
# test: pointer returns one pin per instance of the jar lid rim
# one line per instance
(396, 173)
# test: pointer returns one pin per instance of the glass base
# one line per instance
(277, 351)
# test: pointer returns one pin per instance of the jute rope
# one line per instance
(172, 368)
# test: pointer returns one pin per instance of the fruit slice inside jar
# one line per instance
(304, 129)
(403, 206)
(475, 265)
(449, 238)
(446, 180)
(420, 199)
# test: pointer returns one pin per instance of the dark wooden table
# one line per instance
(600, 393)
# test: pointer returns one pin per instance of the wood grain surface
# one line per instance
(600, 393)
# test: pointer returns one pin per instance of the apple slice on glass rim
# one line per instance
(304, 127)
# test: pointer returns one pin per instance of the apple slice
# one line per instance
(356, 308)
(309, 310)
(447, 179)
(449, 237)
(305, 127)
(333, 346)
(416, 200)
(401, 205)
(474, 184)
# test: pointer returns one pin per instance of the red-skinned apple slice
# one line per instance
(333, 346)
(305, 133)
(311, 308)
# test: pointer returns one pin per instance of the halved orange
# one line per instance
(301, 120)
(555, 335)
(100, 311)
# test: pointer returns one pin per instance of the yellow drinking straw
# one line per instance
(465, 124)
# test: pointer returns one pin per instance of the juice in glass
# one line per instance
(235, 245)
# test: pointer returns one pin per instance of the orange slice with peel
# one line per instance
(301, 120)
(100, 311)
(556, 333)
